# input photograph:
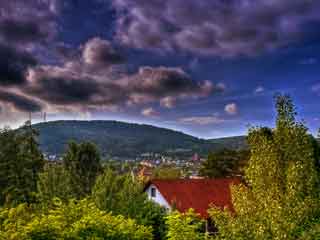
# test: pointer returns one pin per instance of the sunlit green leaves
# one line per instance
(183, 226)
(280, 199)
(77, 220)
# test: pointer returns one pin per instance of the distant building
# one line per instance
(196, 158)
(146, 164)
(145, 173)
(198, 194)
(196, 177)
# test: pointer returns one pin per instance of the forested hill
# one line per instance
(237, 142)
(126, 139)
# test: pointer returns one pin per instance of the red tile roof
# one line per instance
(198, 194)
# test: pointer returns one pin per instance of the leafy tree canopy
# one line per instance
(54, 182)
(166, 172)
(224, 163)
(82, 161)
(76, 220)
(122, 194)
(20, 163)
(281, 197)
(182, 226)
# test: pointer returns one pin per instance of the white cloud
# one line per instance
(150, 112)
(316, 88)
(168, 102)
(201, 120)
(231, 108)
(259, 89)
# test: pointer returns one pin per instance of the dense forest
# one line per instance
(79, 199)
(126, 139)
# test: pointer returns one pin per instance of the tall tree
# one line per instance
(20, 162)
(123, 195)
(31, 152)
(281, 198)
(54, 182)
(224, 163)
(83, 163)
(8, 155)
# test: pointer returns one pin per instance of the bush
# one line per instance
(183, 226)
(77, 220)
(123, 195)
(54, 182)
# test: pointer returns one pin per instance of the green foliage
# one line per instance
(20, 163)
(313, 233)
(185, 226)
(166, 172)
(224, 163)
(82, 162)
(118, 193)
(77, 220)
(234, 143)
(54, 182)
(121, 194)
(281, 199)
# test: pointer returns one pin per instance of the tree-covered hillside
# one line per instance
(126, 139)
(236, 143)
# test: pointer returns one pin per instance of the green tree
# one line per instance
(20, 162)
(31, 152)
(185, 226)
(166, 172)
(82, 161)
(121, 194)
(224, 163)
(76, 220)
(280, 199)
(54, 182)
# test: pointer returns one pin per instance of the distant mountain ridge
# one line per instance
(127, 139)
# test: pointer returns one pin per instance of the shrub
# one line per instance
(76, 220)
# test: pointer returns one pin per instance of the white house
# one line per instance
(155, 195)
(199, 194)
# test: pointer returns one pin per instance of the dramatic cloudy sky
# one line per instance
(206, 67)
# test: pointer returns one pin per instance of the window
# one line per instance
(153, 192)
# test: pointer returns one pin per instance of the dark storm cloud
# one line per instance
(221, 28)
(163, 82)
(98, 51)
(21, 31)
(66, 52)
(27, 22)
(24, 26)
(84, 80)
(13, 64)
(91, 80)
(19, 102)
(64, 89)
(62, 86)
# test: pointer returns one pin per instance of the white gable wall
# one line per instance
(158, 198)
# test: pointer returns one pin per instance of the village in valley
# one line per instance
(143, 165)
